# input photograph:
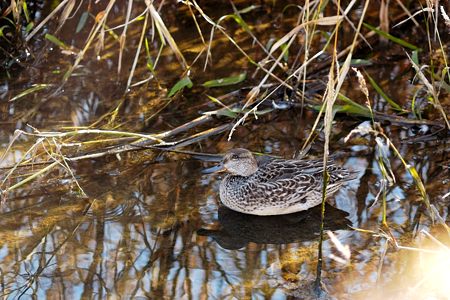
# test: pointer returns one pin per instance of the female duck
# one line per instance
(276, 186)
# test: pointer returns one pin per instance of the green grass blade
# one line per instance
(150, 64)
(25, 11)
(215, 100)
(380, 91)
(34, 88)
(8, 20)
(56, 41)
(352, 107)
(2, 34)
(29, 27)
(181, 84)
(240, 22)
(82, 21)
(359, 62)
(415, 57)
(31, 177)
(391, 37)
(225, 81)
(285, 50)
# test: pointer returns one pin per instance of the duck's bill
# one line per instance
(216, 169)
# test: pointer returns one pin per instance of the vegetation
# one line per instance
(87, 83)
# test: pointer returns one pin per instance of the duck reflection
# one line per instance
(237, 229)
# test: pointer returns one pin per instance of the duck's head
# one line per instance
(240, 161)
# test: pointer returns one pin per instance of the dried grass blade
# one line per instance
(66, 166)
(326, 21)
(411, 16)
(31, 149)
(197, 26)
(31, 177)
(65, 13)
(96, 131)
(431, 90)
(165, 34)
(16, 135)
(123, 36)
(91, 38)
(200, 136)
(138, 51)
(50, 16)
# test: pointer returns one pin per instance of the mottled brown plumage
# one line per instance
(276, 186)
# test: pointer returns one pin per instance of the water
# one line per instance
(151, 225)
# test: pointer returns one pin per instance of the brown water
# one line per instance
(151, 225)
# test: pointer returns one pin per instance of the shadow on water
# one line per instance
(237, 229)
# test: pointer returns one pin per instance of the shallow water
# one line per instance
(157, 231)
(151, 225)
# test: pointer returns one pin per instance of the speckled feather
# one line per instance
(281, 186)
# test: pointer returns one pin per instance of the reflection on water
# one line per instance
(237, 229)
(156, 230)
(138, 237)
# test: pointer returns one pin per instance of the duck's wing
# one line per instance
(296, 180)
(287, 180)
(287, 191)
(278, 169)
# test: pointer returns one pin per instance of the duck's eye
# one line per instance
(234, 156)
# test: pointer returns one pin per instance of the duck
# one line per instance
(266, 186)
